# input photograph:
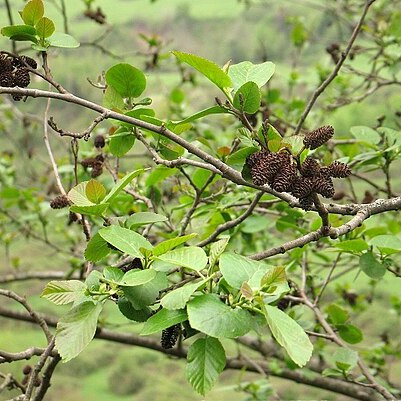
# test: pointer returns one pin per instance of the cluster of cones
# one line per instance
(284, 174)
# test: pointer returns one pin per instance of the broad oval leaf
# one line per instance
(77, 195)
(247, 98)
(350, 333)
(206, 67)
(289, 334)
(137, 315)
(162, 320)
(178, 298)
(206, 359)
(33, 12)
(353, 245)
(125, 240)
(121, 142)
(76, 329)
(208, 314)
(246, 71)
(172, 243)
(93, 210)
(59, 39)
(371, 267)
(95, 191)
(14, 30)
(365, 134)
(45, 27)
(137, 277)
(387, 243)
(63, 292)
(191, 257)
(127, 80)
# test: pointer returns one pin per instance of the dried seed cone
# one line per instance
(265, 167)
(324, 186)
(97, 170)
(99, 141)
(310, 167)
(59, 202)
(306, 203)
(285, 178)
(7, 79)
(88, 162)
(170, 336)
(338, 170)
(5, 65)
(318, 137)
(303, 187)
(21, 78)
(30, 61)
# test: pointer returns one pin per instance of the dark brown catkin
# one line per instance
(324, 186)
(318, 137)
(285, 178)
(170, 336)
(30, 61)
(338, 170)
(5, 65)
(7, 79)
(306, 203)
(265, 167)
(21, 78)
(59, 202)
(303, 187)
(310, 167)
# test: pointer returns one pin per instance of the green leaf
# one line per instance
(200, 114)
(345, 359)
(178, 298)
(371, 267)
(350, 333)
(14, 30)
(172, 243)
(126, 308)
(77, 195)
(208, 314)
(206, 67)
(125, 240)
(162, 320)
(387, 244)
(206, 359)
(121, 142)
(24, 37)
(64, 291)
(93, 210)
(137, 277)
(113, 100)
(246, 71)
(45, 27)
(127, 80)
(76, 329)
(337, 314)
(238, 158)
(146, 294)
(95, 191)
(191, 257)
(353, 245)
(274, 277)
(59, 39)
(365, 134)
(113, 274)
(144, 218)
(237, 269)
(290, 335)
(33, 12)
(120, 185)
(216, 249)
(250, 95)
(159, 174)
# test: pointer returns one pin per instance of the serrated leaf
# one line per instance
(33, 12)
(365, 134)
(45, 27)
(192, 257)
(172, 243)
(206, 359)
(95, 191)
(162, 320)
(289, 334)
(246, 71)
(144, 218)
(216, 249)
(14, 30)
(59, 39)
(64, 291)
(113, 274)
(127, 80)
(206, 67)
(274, 276)
(247, 98)
(120, 185)
(208, 314)
(77, 195)
(371, 267)
(238, 158)
(125, 240)
(178, 298)
(76, 329)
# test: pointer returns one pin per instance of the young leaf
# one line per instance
(206, 67)
(77, 195)
(162, 320)
(76, 329)
(64, 291)
(353, 245)
(206, 359)
(387, 244)
(95, 191)
(208, 314)
(337, 315)
(33, 12)
(200, 114)
(289, 334)
(125, 240)
(371, 267)
(144, 218)
(247, 98)
(178, 298)
(216, 249)
(14, 30)
(113, 274)
(127, 80)
(365, 134)
(191, 257)
(120, 185)
(246, 71)
(345, 359)
(113, 100)
(136, 277)
(45, 27)
(59, 39)
(172, 243)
